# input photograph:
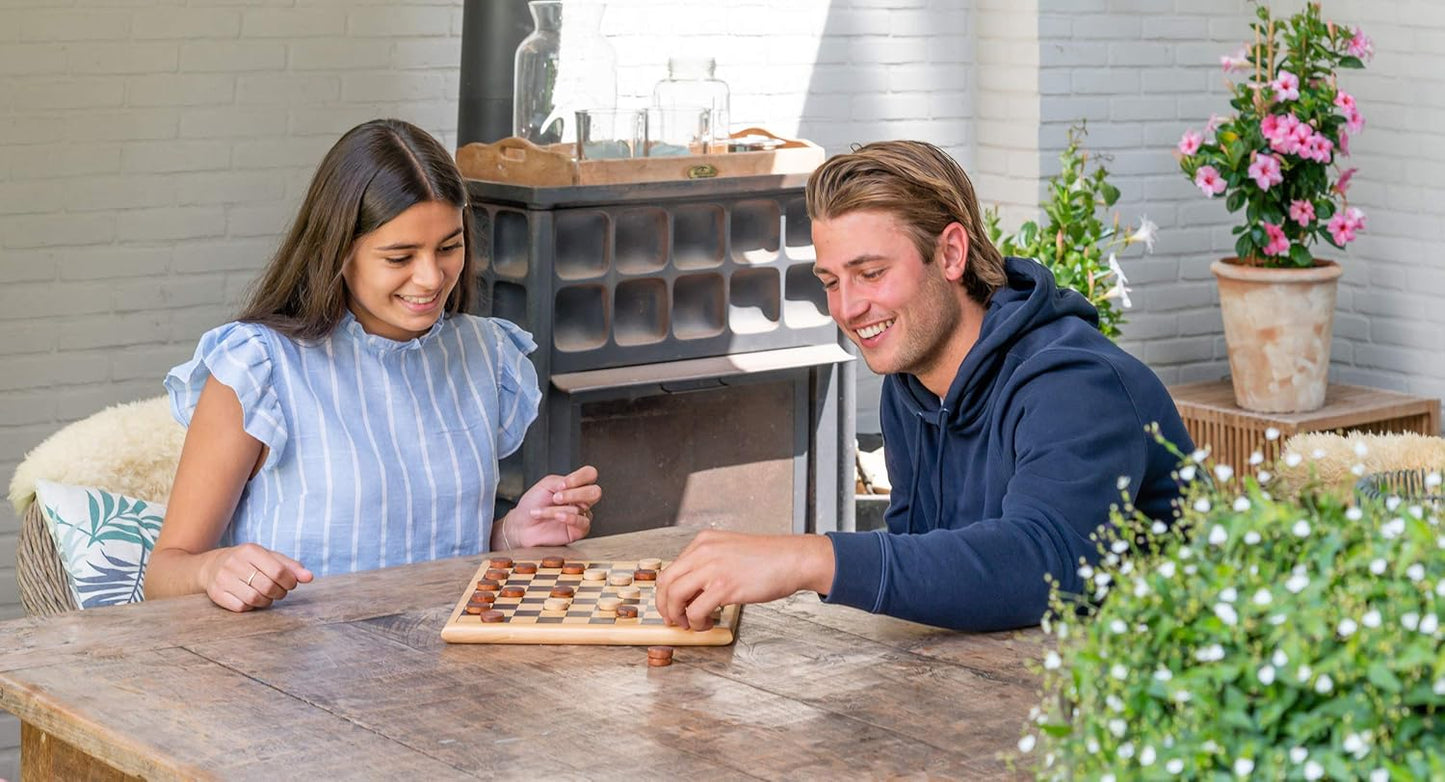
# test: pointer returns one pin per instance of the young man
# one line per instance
(1009, 420)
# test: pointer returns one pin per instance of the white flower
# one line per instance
(1292, 459)
(1118, 290)
(1158, 528)
(1119, 546)
(1251, 537)
(1199, 455)
(1379, 775)
(1277, 619)
(1102, 578)
(1263, 477)
(1114, 702)
(1304, 672)
(1355, 744)
(1147, 232)
(1393, 528)
(1391, 503)
(1241, 504)
(1440, 587)
(1146, 756)
(1271, 434)
(1411, 621)
(1357, 470)
(1119, 672)
(1107, 778)
(1186, 473)
(1211, 653)
(1262, 597)
(1174, 766)
(1209, 747)
(1229, 594)
(1439, 687)
(1354, 514)
(1092, 745)
(1116, 727)
(1026, 744)
(1242, 766)
(1223, 472)
(1301, 529)
(1371, 618)
(1052, 661)
(1164, 675)
(1317, 454)
(1314, 771)
(1122, 482)
(1256, 458)
(1182, 696)
(1086, 572)
(1279, 658)
(1324, 684)
(1377, 565)
(1266, 674)
(1429, 624)
(1117, 626)
(1416, 572)
(1347, 627)
(1297, 755)
(1226, 614)
(1218, 536)
(1297, 583)
(1126, 750)
(1433, 480)
(1361, 449)
(1166, 569)
(1202, 505)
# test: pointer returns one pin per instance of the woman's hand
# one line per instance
(554, 512)
(249, 576)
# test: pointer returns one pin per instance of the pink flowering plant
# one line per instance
(1279, 156)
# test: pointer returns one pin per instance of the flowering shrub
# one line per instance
(1278, 156)
(1290, 638)
(1073, 241)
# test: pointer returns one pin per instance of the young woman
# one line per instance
(353, 416)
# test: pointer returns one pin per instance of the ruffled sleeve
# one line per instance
(238, 355)
(518, 393)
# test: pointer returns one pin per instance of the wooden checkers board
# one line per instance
(504, 606)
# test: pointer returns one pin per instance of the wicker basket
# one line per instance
(1408, 485)
(44, 588)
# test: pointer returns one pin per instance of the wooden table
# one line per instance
(349, 678)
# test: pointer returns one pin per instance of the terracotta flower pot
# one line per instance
(1277, 325)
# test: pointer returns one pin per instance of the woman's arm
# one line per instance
(216, 461)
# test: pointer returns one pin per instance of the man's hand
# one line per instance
(722, 568)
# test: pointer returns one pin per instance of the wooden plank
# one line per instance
(172, 714)
(44, 758)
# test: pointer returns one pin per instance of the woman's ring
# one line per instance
(254, 571)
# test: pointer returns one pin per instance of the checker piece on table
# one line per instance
(557, 601)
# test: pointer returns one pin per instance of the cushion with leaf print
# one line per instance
(104, 540)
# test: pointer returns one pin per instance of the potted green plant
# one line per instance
(1261, 637)
(1077, 246)
(1277, 158)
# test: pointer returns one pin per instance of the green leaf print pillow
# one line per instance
(104, 540)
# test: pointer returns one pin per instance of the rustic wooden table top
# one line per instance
(349, 678)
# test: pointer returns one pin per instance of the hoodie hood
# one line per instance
(1027, 301)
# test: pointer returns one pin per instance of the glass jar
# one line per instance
(563, 66)
(691, 82)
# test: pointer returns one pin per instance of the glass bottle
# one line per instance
(691, 81)
(560, 68)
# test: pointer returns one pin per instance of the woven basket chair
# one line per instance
(44, 588)
(130, 449)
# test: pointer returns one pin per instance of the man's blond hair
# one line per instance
(920, 185)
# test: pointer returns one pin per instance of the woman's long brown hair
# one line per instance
(375, 172)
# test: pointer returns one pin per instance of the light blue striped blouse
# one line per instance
(381, 452)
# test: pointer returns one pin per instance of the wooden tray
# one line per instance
(527, 622)
(517, 161)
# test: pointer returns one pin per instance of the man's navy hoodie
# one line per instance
(1004, 481)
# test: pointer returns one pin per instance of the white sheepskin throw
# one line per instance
(130, 448)
(1326, 460)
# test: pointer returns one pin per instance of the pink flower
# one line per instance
(1285, 86)
(1343, 225)
(1207, 179)
(1278, 242)
(1361, 46)
(1190, 143)
(1265, 171)
(1301, 211)
(1214, 122)
(1234, 63)
(1354, 120)
(1343, 185)
(1345, 100)
(1344, 142)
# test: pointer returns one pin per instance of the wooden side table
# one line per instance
(1232, 433)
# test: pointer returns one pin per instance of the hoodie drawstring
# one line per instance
(938, 471)
(913, 509)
